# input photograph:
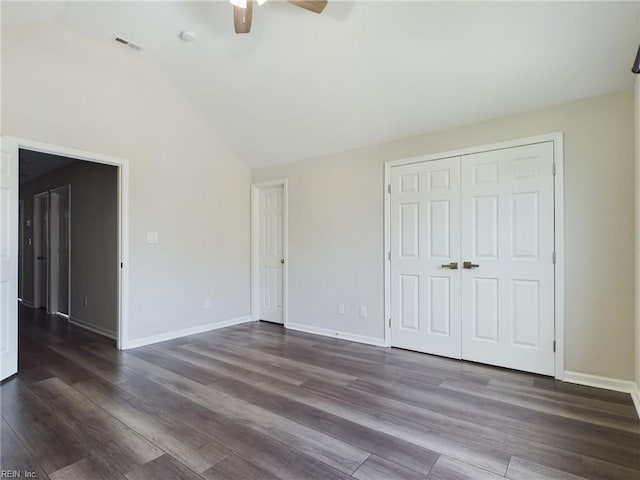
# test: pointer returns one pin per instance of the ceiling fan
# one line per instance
(243, 11)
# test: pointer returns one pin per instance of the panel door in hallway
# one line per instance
(60, 234)
(41, 250)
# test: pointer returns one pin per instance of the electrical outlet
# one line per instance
(85, 301)
(363, 310)
(341, 309)
(208, 303)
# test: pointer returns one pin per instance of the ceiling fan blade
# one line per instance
(315, 6)
(242, 17)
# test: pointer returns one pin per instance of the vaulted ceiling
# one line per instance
(302, 85)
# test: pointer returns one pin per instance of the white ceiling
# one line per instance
(302, 85)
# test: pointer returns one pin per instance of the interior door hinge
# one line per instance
(554, 258)
(554, 345)
(389, 188)
(389, 323)
(389, 255)
(553, 168)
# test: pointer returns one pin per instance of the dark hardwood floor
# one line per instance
(257, 402)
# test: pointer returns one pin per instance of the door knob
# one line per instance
(469, 265)
(282, 260)
(452, 265)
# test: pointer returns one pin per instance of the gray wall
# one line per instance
(336, 227)
(94, 240)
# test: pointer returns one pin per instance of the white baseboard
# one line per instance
(163, 337)
(616, 384)
(635, 396)
(93, 328)
(325, 332)
(27, 303)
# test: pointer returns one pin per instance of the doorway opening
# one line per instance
(72, 259)
(70, 208)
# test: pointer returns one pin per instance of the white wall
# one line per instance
(94, 240)
(185, 181)
(336, 228)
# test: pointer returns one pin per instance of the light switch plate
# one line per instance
(363, 310)
(152, 237)
(341, 308)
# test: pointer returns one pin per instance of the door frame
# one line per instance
(37, 248)
(123, 218)
(255, 232)
(54, 286)
(558, 158)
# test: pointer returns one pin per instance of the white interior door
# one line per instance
(508, 238)
(59, 250)
(271, 254)
(425, 249)
(41, 250)
(8, 258)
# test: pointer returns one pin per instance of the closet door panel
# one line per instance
(425, 240)
(508, 244)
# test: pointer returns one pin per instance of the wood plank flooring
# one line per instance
(257, 402)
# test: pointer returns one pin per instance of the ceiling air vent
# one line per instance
(127, 43)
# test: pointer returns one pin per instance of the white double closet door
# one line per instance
(472, 257)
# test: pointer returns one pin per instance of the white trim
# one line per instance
(325, 332)
(518, 142)
(558, 149)
(558, 206)
(27, 303)
(92, 328)
(163, 337)
(608, 383)
(123, 223)
(635, 396)
(597, 381)
(255, 274)
(385, 254)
